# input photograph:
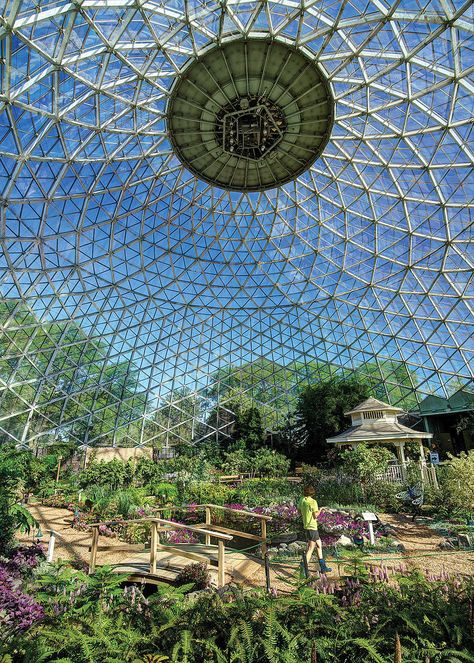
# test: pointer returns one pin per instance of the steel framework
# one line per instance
(135, 296)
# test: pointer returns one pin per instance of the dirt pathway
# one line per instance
(422, 549)
(422, 552)
(71, 544)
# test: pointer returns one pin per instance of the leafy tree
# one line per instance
(61, 384)
(176, 420)
(249, 432)
(321, 408)
(390, 381)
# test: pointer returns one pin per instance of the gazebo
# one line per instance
(375, 422)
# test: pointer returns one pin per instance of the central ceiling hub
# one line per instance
(250, 127)
(250, 114)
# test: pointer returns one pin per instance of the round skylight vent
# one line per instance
(250, 114)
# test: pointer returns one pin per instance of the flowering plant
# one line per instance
(23, 559)
(197, 574)
(331, 522)
(18, 611)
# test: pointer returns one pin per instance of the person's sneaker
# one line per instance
(323, 567)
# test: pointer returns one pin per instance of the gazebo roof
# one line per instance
(371, 404)
(379, 430)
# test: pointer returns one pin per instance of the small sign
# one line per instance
(368, 515)
(434, 457)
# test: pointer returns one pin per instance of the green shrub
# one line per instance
(166, 493)
(205, 492)
(237, 461)
(383, 495)
(107, 503)
(263, 461)
(265, 492)
(183, 468)
(364, 462)
(458, 481)
(114, 474)
(267, 462)
(148, 472)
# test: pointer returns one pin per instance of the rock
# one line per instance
(344, 540)
(295, 547)
(398, 545)
(464, 541)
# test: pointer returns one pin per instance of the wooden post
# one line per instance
(263, 524)
(267, 573)
(305, 565)
(207, 538)
(220, 563)
(154, 541)
(94, 545)
(59, 468)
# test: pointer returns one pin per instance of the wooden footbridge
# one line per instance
(161, 562)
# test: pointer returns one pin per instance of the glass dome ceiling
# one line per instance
(135, 296)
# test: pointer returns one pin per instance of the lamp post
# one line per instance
(52, 541)
(370, 518)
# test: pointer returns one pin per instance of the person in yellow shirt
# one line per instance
(309, 510)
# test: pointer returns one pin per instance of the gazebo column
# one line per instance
(423, 466)
(401, 457)
(422, 453)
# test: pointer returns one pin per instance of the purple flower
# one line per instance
(18, 611)
(24, 559)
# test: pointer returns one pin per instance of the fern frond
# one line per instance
(368, 647)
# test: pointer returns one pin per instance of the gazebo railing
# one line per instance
(398, 474)
(393, 474)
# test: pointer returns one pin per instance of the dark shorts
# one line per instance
(312, 535)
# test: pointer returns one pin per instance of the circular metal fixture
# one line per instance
(250, 114)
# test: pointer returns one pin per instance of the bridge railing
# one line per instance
(262, 538)
(160, 525)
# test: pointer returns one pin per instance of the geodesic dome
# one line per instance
(150, 266)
